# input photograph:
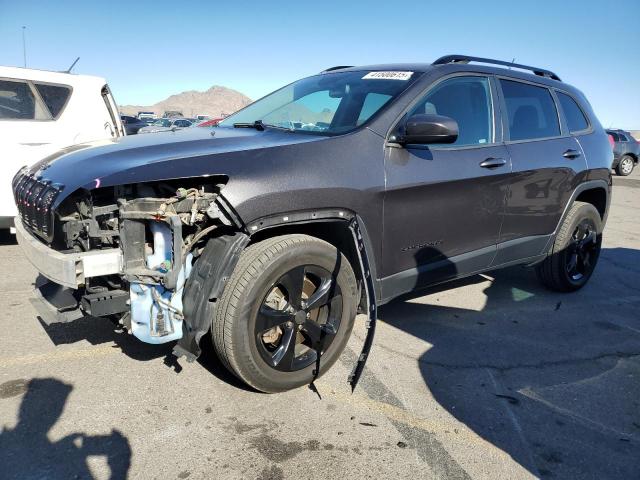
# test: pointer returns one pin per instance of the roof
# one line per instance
(452, 67)
(72, 79)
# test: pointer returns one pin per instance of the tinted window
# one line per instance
(55, 97)
(468, 101)
(372, 103)
(531, 111)
(16, 101)
(575, 118)
(623, 137)
(615, 136)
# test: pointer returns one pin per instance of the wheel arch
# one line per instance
(595, 192)
(333, 226)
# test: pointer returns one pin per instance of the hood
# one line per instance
(190, 152)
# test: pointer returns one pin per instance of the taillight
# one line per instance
(611, 141)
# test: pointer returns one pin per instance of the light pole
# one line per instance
(24, 47)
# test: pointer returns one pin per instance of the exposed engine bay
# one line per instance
(160, 228)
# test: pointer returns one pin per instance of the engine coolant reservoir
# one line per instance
(156, 313)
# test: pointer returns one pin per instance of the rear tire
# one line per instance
(625, 166)
(575, 250)
(263, 331)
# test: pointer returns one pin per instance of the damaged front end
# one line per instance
(158, 229)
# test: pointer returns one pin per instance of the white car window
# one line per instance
(17, 102)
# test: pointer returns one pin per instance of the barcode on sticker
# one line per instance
(388, 76)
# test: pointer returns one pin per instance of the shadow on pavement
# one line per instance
(7, 238)
(26, 451)
(551, 379)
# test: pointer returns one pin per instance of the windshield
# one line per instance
(330, 103)
(163, 122)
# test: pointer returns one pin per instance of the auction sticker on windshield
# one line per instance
(387, 76)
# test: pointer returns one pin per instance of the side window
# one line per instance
(531, 110)
(572, 112)
(55, 97)
(17, 102)
(623, 137)
(615, 136)
(467, 100)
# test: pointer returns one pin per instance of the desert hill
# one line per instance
(215, 102)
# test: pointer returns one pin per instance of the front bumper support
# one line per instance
(67, 269)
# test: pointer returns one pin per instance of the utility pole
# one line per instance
(24, 47)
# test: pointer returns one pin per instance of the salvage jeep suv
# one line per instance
(330, 196)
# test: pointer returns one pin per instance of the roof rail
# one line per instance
(466, 59)
(338, 67)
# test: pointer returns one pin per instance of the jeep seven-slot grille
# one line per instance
(34, 198)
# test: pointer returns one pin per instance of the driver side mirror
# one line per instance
(427, 128)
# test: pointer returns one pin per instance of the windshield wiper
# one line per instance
(258, 125)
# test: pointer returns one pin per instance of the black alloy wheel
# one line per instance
(298, 318)
(581, 251)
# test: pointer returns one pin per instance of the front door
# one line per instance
(444, 204)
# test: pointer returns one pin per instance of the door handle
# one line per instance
(571, 154)
(493, 163)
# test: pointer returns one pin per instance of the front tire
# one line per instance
(575, 250)
(625, 166)
(288, 307)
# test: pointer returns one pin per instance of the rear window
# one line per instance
(17, 102)
(572, 112)
(54, 96)
(531, 110)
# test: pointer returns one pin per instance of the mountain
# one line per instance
(215, 102)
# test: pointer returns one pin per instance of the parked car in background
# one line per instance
(132, 124)
(201, 118)
(147, 116)
(166, 124)
(272, 234)
(626, 151)
(42, 112)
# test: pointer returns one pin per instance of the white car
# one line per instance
(42, 112)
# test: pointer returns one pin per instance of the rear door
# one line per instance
(547, 162)
(444, 203)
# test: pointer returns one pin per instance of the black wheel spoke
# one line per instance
(293, 282)
(269, 318)
(589, 239)
(318, 334)
(306, 325)
(285, 354)
(573, 263)
(321, 296)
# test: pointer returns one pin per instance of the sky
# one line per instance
(148, 50)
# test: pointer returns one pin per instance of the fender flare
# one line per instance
(588, 185)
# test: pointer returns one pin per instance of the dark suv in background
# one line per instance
(332, 195)
(626, 151)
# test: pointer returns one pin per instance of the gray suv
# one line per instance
(626, 151)
(328, 197)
